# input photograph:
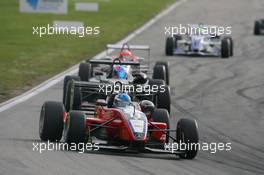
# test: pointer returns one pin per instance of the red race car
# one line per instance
(115, 123)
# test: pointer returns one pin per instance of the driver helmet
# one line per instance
(122, 100)
(126, 53)
(147, 107)
(127, 56)
(119, 72)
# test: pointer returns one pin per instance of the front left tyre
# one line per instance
(51, 121)
(74, 130)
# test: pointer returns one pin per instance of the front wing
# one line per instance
(179, 51)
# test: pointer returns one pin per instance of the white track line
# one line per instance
(73, 70)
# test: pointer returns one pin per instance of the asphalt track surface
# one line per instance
(226, 97)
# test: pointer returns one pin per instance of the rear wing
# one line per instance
(94, 90)
(112, 47)
(110, 62)
(129, 47)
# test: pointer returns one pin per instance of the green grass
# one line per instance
(27, 60)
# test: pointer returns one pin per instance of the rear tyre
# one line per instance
(187, 132)
(159, 72)
(68, 80)
(74, 130)
(163, 98)
(166, 65)
(231, 44)
(169, 46)
(257, 27)
(84, 71)
(225, 48)
(51, 121)
(162, 115)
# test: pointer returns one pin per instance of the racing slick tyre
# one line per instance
(231, 47)
(163, 99)
(51, 121)
(74, 129)
(187, 133)
(257, 27)
(65, 82)
(68, 80)
(159, 72)
(166, 64)
(162, 115)
(85, 71)
(231, 44)
(169, 46)
(225, 48)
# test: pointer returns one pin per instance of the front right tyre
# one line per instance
(167, 72)
(257, 27)
(75, 127)
(159, 72)
(231, 45)
(225, 48)
(187, 133)
(169, 46)
(163, 99)
(162, 115)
